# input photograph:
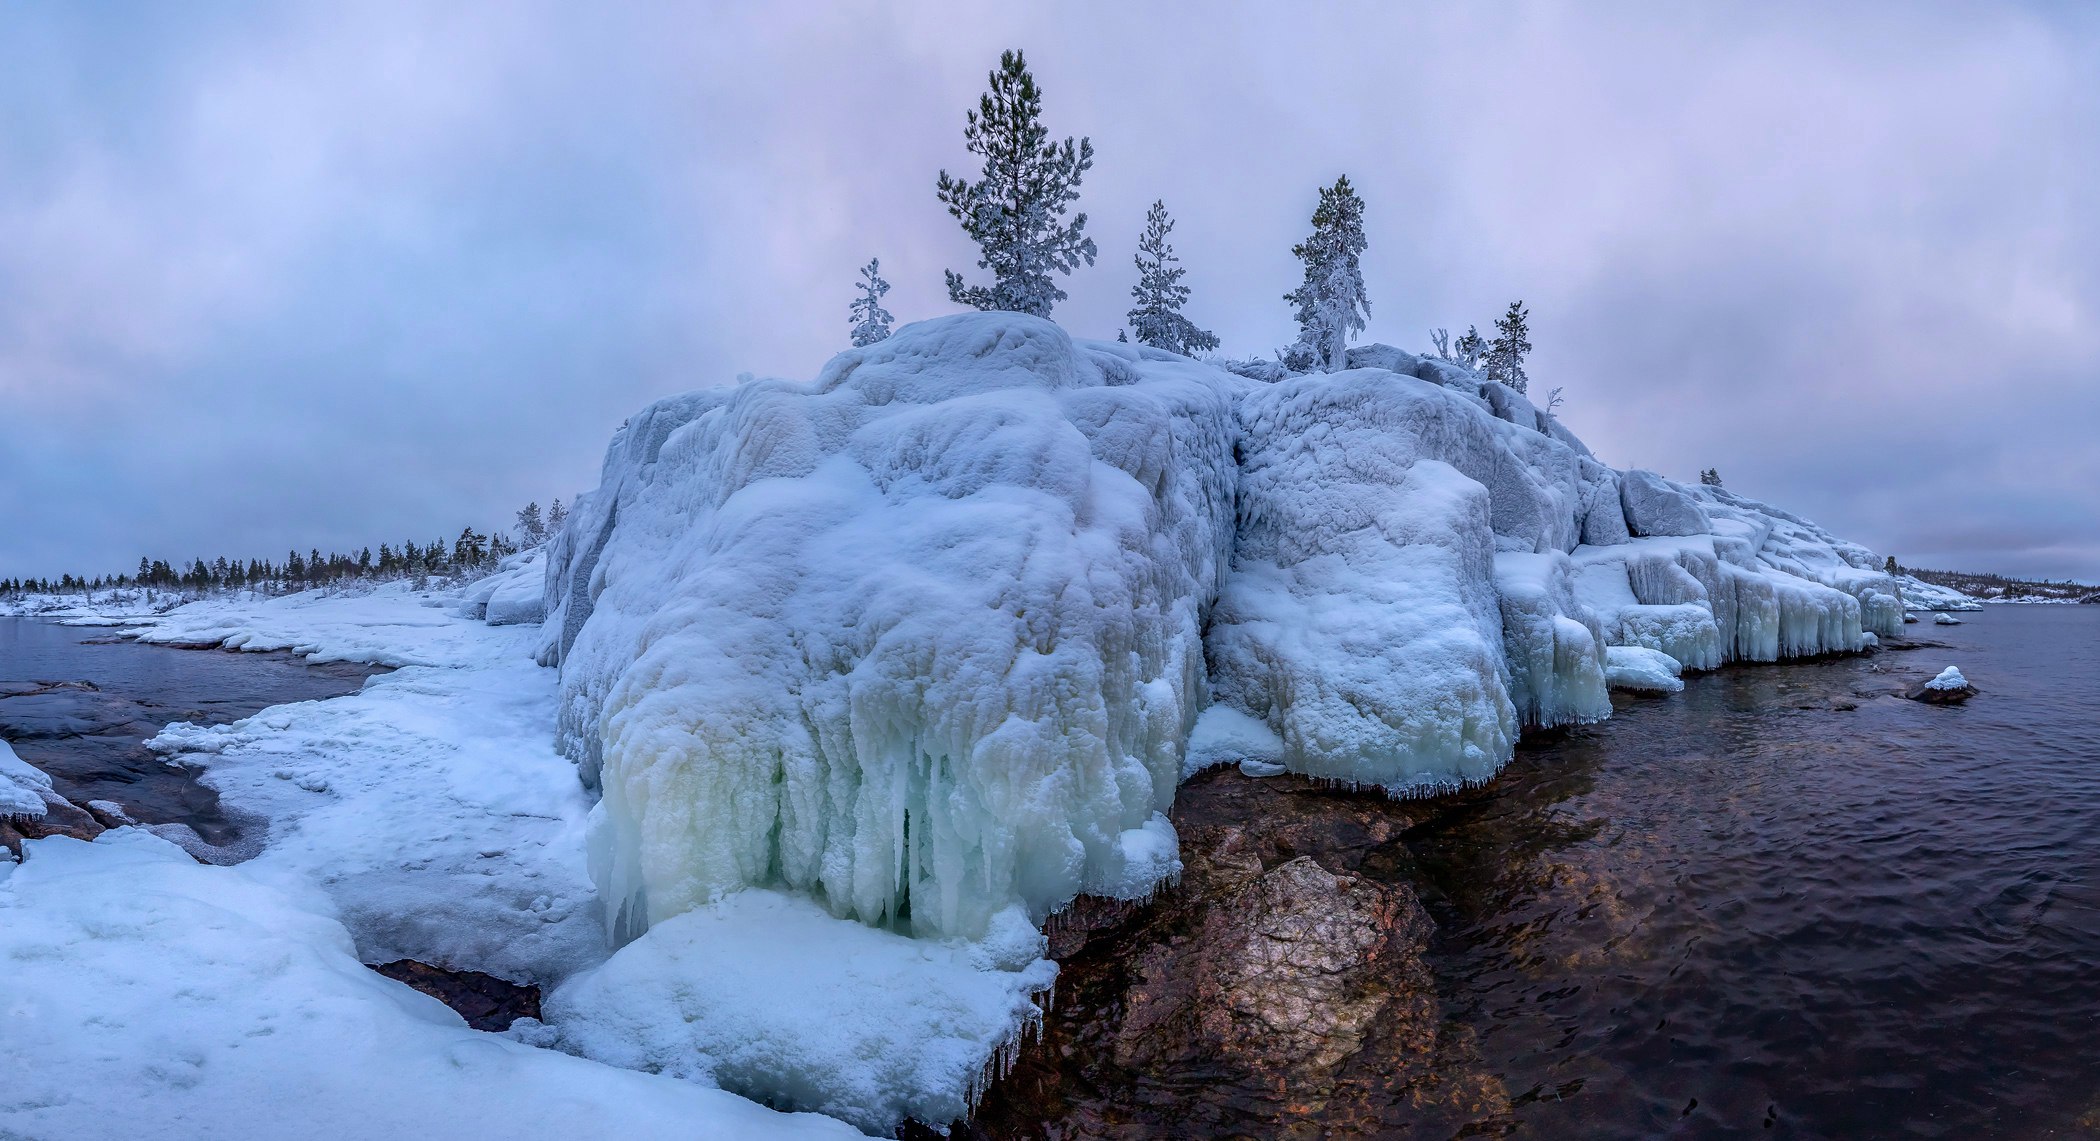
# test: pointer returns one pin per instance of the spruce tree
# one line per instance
(1470, 348)
(869, 321)
(1710, 477)
(1157, 319)
(1015, 212)
(556, 516)
(1505, 354)
(1331, 303)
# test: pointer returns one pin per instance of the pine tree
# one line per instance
(1015, 213)
(1711, 477)
(1505, 354)
(869, 321)
(1331, 303)
(556, 516)
(1890, 567)
(1157, 319)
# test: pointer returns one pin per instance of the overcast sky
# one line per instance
(332, 275)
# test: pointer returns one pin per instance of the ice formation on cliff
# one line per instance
(925, 639)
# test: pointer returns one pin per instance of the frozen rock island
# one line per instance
(924, 640)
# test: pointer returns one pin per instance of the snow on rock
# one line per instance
(769, 995)
(388, 625)
(920, 638)
(1656, 506)
(147, 995)
(1945, 619)
(1921, 595)
(1642, 670)
(1949, 678)
(1225, 736)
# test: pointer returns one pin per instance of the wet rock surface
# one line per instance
(485, 1001)
(1281, 989)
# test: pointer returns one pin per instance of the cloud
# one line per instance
(332, 275)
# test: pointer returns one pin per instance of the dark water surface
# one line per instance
(1748, 909)
(78, 702)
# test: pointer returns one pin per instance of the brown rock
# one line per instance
(485, 1001)
(61, 818)
(1281, 989)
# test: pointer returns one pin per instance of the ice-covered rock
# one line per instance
(921, 638)
(1642, 670)
(23, 787)
(927, 639)
(1225, 736)
(1656, 506)
(1945, 619)
(1948, 687)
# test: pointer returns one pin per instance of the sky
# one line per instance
(293, 276)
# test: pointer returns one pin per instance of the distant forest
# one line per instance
(1999, 586)
(469, 555)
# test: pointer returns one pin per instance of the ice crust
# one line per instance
(925, 639)
(1642, 670)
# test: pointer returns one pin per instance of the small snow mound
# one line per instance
(1641, 669)
(766, 995)
(1949, 678)
(1225, 736)
(1945, 619)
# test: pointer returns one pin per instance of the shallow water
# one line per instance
(1747, 908)
(78, 702)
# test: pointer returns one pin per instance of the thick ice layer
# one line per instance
(1554, 644)
(1642, 670)
(921, 638)
(765, 994)
(146, 995)
(23, 787)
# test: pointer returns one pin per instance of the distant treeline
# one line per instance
(472, 551)
(1999, 586)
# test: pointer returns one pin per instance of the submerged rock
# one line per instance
(485, 1001)
(1948, 688)
(1280, 989)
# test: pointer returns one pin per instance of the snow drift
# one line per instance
(925, 639)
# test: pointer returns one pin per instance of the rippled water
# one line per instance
(78, 702)
(1748, 908)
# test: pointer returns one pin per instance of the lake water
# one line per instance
(1749, 908)
(78, 702)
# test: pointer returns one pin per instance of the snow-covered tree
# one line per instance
(1505, 354)
(870, 321)
(556, 516)
(531, 529)
(1156, 318)
(1331, 303)
(1470, 348)
(1711, 477)
(1015, 212)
